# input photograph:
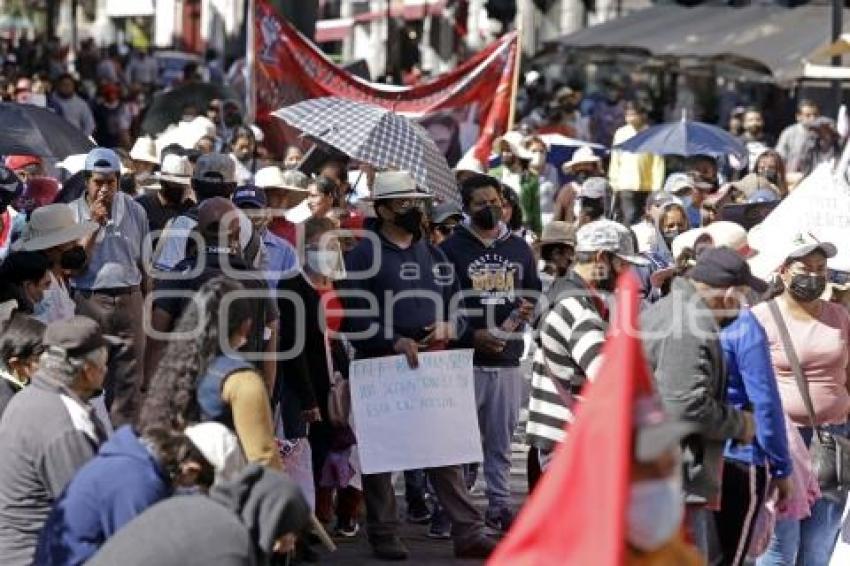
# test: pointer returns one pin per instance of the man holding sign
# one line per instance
(397, 299)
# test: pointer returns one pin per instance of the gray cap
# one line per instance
(805, 243)
(608, 236)
(215, 168)
(77, 336)
(595, 187)
(444, 211)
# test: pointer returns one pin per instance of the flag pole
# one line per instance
(250, 70)
(517, 59)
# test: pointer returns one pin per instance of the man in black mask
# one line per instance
(10, 187)
(170, 200)
(393, 282)
(498, 274)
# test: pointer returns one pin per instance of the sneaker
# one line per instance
(499, 520)
(347, 529)
(441, 527)
(389, 548)
(418, 512)
(479, 547)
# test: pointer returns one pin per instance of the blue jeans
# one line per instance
(808, 542)
(498, 394)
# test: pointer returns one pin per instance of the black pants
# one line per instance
(744, 491)
(382, 516)
(631, 206)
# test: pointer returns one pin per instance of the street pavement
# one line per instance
(424, 551)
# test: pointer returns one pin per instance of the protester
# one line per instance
(48, 432)
(53, 231)
(794, 139)
(497, 271)
(689, 370)
(292, 157)
(444, 220)
(111, 117)
(25, 277)
(243, 147)
(819, 333)
(25, 166)
(633, 176)
(130, 473)
(243, 522)
(20, 347)
(557, 252)
(280, 260)
(583, 165)
(72, 107)
(217, 234)
(109, 287)
(771, 166)
(547, 175)
(514, 172)
(415, 321)
(144, 161)
(754, 138)
(672, 221)
(284, 189)
(322, 196)
(169, 199)
(571, 330)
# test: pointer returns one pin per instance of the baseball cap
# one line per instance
(175, 169)
(680, 183)
(102, 160)
(608, 236)
(215, 168)
(805, 243)
(444, 211)
(17, 162)
(660, 198)
(594, 187)
(77, 336)
(724, 267)
(249, 196)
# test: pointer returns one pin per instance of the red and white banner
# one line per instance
(465, 107)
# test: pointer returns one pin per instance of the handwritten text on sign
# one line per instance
(415, 418)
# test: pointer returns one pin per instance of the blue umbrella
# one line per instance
(685, 138)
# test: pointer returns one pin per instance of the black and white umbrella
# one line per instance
(376, 136)
(32, 130)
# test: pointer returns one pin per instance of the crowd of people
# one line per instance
(179, 313)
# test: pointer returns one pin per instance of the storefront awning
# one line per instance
(778, 38)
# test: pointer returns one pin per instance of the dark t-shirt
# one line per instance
(263, 306)
(158, 213)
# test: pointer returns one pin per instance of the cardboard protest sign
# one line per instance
(407, 419)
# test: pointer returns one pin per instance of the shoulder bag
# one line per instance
(830, 453)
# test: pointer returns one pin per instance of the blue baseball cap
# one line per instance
(249, 196)
(102, 160)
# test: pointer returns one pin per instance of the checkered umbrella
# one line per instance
(377, 136)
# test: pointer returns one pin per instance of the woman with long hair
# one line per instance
(771, 166)
(203, 378)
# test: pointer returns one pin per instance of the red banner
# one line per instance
(454, 107)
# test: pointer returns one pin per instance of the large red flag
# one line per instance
(577, 513)
(499, 115)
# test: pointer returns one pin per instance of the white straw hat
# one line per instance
(50, 226)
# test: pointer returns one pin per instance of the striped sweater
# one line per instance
(569, 339)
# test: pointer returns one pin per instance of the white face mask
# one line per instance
(327, 263)
(656, 509)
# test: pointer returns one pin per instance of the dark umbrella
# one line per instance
(685, 138)
(167, 108)
(377, 136)
(32, 130)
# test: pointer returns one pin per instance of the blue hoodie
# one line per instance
(751, 386)
(496, 275)
(415, 284)
(120, 482)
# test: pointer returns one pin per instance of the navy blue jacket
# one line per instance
(414, 284)
(120, 482)
(493, 276)
(751, 386)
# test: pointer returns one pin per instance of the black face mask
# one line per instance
(488, 217)
(771, 175)
(232, 120)
(73, 259)
(6, 199)
(807, 288)
(410, 221)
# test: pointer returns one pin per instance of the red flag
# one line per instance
(577, 513)
(497, 118)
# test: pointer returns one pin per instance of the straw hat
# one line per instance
(559, 232)
(176, 169)
(395, 184)
(584, 154)
(276, 178)
(50, 226)
(144, 150)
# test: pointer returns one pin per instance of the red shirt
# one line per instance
(285, 229)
